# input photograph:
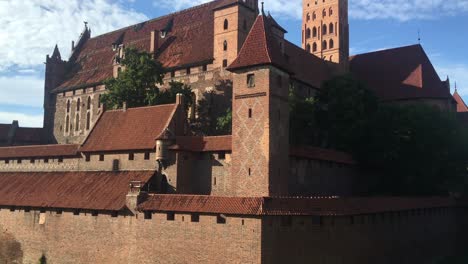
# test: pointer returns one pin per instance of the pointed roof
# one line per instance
(260, 48)
(461, 106)
(403, 73)
(56, 52)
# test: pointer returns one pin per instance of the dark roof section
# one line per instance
(28, 136)
(39, 151)
(203, 144)
(4, 131)
(403, 73)
(260, 48)
(69, 190)
(131, 129)
(461, 106)
(189, 42)
(258, 206)
(322, 154)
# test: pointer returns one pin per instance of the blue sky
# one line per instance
(31, 28)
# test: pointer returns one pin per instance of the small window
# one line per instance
(77, 122)
(60, 160)
(99, 101)
(225, 63)
(308, 47)
(226, 24)
(324, 45)
(332, 44)
(20, 161)
(188, 71)
(251, 80)
(221, 219)
(115, 165)
(330, 12)
(148, 215)
(147, 155)
(195, 218)
(46, 160)
(101, 157)
(88, 105)
(331, 28)
(78, 104)
(205, 68)
(131, 156)
(314, 47)
(250, 172)
(222, 155)
(225, 45)
(7, 161)
(33, 161)
(87, 157)
(307, 33)
(172, 74)
(68, 106)
(324, 29)
(314, 16)
(250, 112)
(314, 32)
(170, 216)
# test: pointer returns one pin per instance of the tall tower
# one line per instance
(325, 29)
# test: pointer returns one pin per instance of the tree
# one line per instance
(224, 123)
(302, 120)
(137, 83)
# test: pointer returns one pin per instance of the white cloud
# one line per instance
(21, 90)
(31, 28)
(23, 119)
(401, 10)
(458, 73)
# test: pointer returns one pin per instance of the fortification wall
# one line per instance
(69, 238)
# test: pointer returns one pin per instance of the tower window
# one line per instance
(314, 32)
(332, 44)
(88, 120)
(250, 112)
(88, 105)
(324, 45)
(314, 47)
(251, 80)
(330, 12)
(225, 63)
(226, 24)
(68, 106)
(324, 13)
(314, 16)
(78, 104)
(324, 30)
(308, 47)
(77, 122)
(331, 28)
(307, 33)
(225, 45)
(308, 17)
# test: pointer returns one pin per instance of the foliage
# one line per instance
(224, 123)
(137, 83)
(302, 121)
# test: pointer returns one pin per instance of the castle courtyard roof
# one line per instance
(130, 129)
(39, 151)
(461, 106)
(69, 190)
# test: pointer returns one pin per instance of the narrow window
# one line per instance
(314, 47)
(68, 106)
(99, 101)
(147, 155)
(88, 120)
(195, 218)
(101, 157)
(225, 45)
(250, 172)
(131, 156)
(324, 13)
(87, 157)
(170, 216)
(222, 155)
(308, 47)
(314, 32)
(205, 68)
(77, 122)
(78, 104)
(332, 44)
(115, 165)
(225, 63)
(214, 181)
(251, 80)
(250, 112)
(148, 215)
(88, 105)
(307, 33)
(226, 24)
(67, 124)
(330, 12)
(221, 219)
(324, 29)
(324, 45)
(331, 28)
(314, 16)
(308, 17)
(188, 71)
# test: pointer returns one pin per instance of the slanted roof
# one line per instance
(403, 73)
(190, 41)
(307, 206)
(461, 106)
(69, 190)
(260, 48)
(39, 151)
(203, 144)
(131, 129)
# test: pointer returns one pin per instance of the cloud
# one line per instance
(458, 73)
(31, 28)
(401, 10)
(24, 120)
(21, 90)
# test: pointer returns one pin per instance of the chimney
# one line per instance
(135, 196)
(154, 42)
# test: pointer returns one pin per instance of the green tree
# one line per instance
(137, 83)
(302, 120)
(224, 123)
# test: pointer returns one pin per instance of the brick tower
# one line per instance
(325, 29)
(260, 118)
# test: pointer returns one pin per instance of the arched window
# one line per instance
(88, 120)
(99, 101)
(308, 17)
(307, 33)
(332, 44)
(331, 28)
(226, 24)
(331, 58)
(225, 45)
(77, 122)
(68, 106)
(88, 105)
(314, 47)
(330, 11)
(314, 16)
(78, 104)
(314, 32)
(324, 30)
(67, 124)
(308, 48)
(324, 13)
(324, 45)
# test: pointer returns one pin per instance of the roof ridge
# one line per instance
(389, 49)
(37, 146)
(139, 108)
(265, 28)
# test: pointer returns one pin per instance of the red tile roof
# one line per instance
(461, 106)
(190, 41)
(322, 154)
(133, 129)
(257, 206)
(39, 151)
(399, 74)
(68, 190)
(260, 48)
(203, 144)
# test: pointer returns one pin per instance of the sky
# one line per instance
(31, 28)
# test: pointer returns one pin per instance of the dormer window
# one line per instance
(251, 80)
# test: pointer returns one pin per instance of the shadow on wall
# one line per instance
(10, 249)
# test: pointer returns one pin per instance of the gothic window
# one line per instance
(314, 16)
(324, 30)
(67, 124)
(308, 17)
(332, 44)
(324, 13)
(307, 33)
(77, 122)
(331, 28)
(88, 120)
(225, 45)
(324, 45)
(226, 24)
(99, 101)
(314, 47)
(251, 80)
(314, 32)
(68, 106)
(331, 58)
(78, 104)
(88, 105)
(308, 48)
(330, 12)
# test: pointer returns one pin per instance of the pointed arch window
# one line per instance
(331, 44)
(314, 32)
(324, 13)
(307, 33)
(88, 105)
(324, 45)
(330, 12)
(77, 122)
(78, 104)
(308, 48)
(67, 124)
(225, 45)
(308, 17)
(68, 106)
(324, 30)
(314, 47)
(314, 16)
(88, 120)
(331, 28)
(226, 24)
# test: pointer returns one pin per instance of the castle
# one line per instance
(137, 185)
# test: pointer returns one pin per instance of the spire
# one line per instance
(456, 90)
(56, 55)
(263, 9)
